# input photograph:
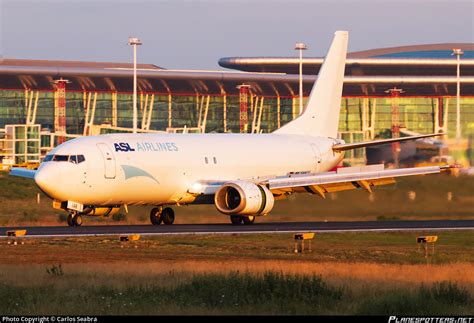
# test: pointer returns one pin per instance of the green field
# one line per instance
(346, 273)
(18, 204)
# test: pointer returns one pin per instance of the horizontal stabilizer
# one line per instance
(23, 172)
(342, 147)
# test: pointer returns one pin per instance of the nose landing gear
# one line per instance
(158, 215)
(74, 219)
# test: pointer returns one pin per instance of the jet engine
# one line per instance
(243, 198)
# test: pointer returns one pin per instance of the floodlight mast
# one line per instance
(133, 41)
(301, 47)
(458, 52)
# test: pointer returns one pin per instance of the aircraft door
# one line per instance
(109, 160)
(317, 156)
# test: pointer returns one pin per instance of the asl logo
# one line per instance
(123, 146)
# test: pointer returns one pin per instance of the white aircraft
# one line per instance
(242, 174)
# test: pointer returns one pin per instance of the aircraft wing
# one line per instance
(23, 172)
(347, 178)
(342, 147)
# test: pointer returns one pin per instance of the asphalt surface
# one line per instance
(288, 227)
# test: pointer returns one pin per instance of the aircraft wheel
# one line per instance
(236, 219)
(167, 215)
(77, 220)
(155, 216)
(70, 220)
(248, 219)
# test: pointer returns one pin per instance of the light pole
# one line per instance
(458, 52)
(134, 42)
(301, 47)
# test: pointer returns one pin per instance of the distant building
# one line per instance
(99, 96)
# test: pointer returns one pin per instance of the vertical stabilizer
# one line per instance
(321, 115)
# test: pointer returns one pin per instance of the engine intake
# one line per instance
(243, 198)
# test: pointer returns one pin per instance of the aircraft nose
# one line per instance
(48, 179)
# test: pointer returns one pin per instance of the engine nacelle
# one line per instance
(243, 198)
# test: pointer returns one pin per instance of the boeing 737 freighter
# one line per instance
(242, 174)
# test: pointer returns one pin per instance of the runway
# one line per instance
(288, 227)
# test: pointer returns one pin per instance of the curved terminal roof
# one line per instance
(434, 59)
(267, 76)
(417, 51)
(78, 64)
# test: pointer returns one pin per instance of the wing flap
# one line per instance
(383, 181)
(336, 187)
(321, 190)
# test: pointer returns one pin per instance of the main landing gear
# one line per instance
(239, 219)
(74, 219)
(160, 214)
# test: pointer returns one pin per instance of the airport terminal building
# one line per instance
(411, 89)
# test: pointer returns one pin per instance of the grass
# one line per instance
(368, 247)
(18, 204)
(389, 247)
(440, 298)
(347, 273)
(232, 293)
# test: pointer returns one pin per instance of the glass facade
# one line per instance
(362, 118)
(417, 114)
(20, 144)
(175, 112)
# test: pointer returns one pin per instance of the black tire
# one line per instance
(69, 220)
(248, 219)
(155, 216)
(77, 220)
(168, 216)
(236, 219)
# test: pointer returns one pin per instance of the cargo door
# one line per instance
(109, 160)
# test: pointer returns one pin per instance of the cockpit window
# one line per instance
(75, 159)
(60, 158)
(80, 159)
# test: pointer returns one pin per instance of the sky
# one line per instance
(195, 34)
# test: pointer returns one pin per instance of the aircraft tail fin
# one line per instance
(321, 115)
